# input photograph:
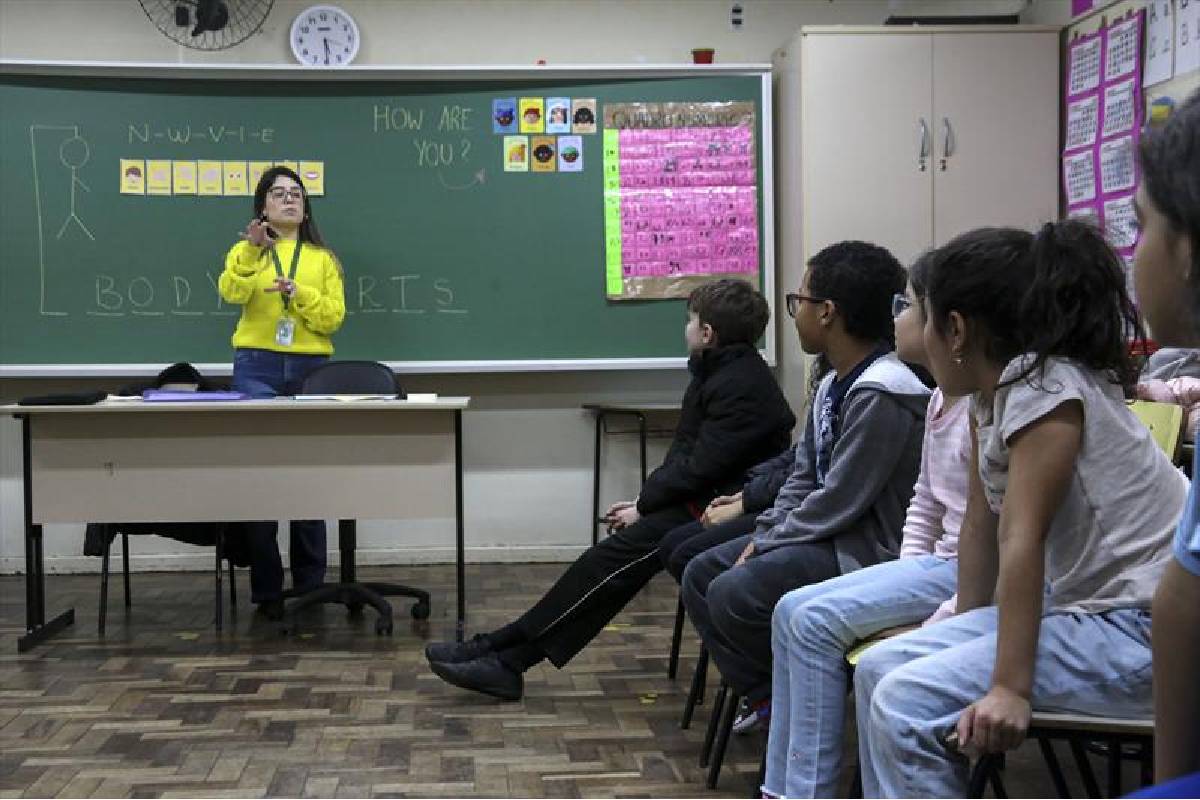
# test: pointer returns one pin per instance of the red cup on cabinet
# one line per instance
(703, 55)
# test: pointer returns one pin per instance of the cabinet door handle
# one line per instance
(922, 143)
(948, 144)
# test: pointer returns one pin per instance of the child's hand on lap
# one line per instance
(994, 724)
(722, 509)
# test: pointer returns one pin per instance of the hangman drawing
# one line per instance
(74, 153)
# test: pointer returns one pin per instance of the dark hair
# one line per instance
(308, 226)
(918, 278)
(1170, 159)
(737, 312)
(860, 278)
(1060, 292)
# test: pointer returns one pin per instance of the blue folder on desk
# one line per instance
(177, 396)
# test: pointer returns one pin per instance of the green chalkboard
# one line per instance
(451, 262)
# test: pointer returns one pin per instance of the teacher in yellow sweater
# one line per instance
(289, 285)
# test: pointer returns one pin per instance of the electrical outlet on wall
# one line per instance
(737, 16)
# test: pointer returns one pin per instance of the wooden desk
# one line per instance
(214, 461)
(603, 411)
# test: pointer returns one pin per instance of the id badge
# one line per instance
(285, 331)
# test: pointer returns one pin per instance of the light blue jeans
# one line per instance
(811, 630)
(910, 691)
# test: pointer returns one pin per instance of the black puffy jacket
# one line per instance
(734, 416)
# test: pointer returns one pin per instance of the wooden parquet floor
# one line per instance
(165, 706)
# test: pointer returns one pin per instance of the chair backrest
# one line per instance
(352, 377)
(1165, 423)
(179, 373)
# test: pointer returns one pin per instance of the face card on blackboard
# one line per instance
(516, 153)
(544, 152)
(504, 115)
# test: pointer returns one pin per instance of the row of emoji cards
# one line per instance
(210, 178)
(544, 115)
(543, 153)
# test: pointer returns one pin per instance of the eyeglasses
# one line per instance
(794, 300)
(279, 193)
(900, 304)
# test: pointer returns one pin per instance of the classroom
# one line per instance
(624, 372)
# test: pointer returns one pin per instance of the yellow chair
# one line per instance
(1165, 423)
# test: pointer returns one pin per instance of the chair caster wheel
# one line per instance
(421, 611)
(383, 626)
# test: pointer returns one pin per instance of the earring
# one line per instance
(958, 360)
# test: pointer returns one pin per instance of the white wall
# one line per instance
(527, 445)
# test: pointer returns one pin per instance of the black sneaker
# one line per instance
(457, 652)
(486, 674)
(272, 609)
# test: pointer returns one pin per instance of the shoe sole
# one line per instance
(431, 657)
(440, 669)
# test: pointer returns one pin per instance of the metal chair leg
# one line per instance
(1090, 785)
(1056, 773)
(104, 586)
(717, 757)
(696, 693)
(220, 571)
(232, 586)
(983, 772)
(714, 719)
(1114, 766)
(676, 640)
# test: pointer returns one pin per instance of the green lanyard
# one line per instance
(291, 272)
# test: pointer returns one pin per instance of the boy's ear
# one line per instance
(828, 312)
(957, 334)
(707, 334)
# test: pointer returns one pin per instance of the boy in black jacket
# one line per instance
(733, 417)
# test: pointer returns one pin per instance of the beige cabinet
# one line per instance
(910, 137)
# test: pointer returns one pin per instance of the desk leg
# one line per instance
(37, 630)
(595, 522)
(460, 539)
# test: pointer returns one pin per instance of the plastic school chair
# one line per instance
(1165, 423)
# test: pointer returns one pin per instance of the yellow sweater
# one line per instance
(318, 306)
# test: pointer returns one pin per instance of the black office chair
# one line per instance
(357, 377)
(98, 540)
(352, 377)
(98, 537)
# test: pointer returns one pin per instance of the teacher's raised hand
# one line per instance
(258, 234)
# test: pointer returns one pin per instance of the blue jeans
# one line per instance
(910, 690)
(811, 630)
(263, 374)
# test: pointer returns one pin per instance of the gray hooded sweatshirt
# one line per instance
(873, 469)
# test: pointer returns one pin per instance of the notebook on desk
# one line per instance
(178, 396)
